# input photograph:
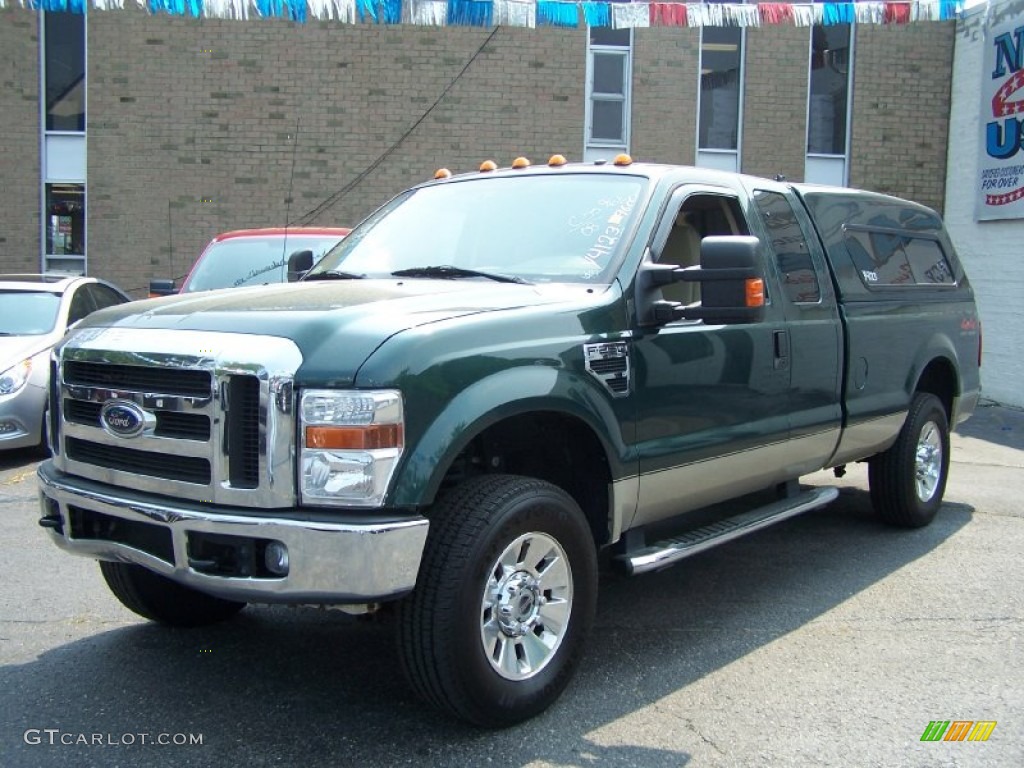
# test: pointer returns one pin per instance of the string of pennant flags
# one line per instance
(530, 13)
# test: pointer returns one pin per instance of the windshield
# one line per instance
(242, 261)
(28, 313)
(541, 228)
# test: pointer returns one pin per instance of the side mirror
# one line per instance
(299, 263)
(732, 283)
(162, 287)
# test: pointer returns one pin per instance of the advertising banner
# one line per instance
(1001, 169)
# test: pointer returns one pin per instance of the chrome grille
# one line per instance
(185, 426)
(219, 420)
(183, 383)
(184, 469)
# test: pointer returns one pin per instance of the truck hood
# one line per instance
(346, 319)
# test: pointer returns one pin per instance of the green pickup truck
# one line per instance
(496, 378)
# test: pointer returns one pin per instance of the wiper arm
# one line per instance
(333, 274)
(450, 272)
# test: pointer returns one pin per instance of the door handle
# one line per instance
(780, 340)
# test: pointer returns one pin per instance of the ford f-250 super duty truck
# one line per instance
(494, 378)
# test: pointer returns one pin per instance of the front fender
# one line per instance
(505, 394)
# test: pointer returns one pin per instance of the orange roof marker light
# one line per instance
(442, 173)
(557, 161)
(488, 165)
(520, 162)
(622, 160)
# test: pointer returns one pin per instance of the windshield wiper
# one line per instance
(447, 271)
(333, 274)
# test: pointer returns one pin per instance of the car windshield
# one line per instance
(240, 261)
(28, 313)
(541, 228)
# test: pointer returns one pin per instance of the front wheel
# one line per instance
(908, 480)
(157, 598)
(505, 597)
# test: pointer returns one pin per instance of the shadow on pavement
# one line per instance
(300, 687)
(996, 424)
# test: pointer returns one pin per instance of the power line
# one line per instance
(334, 198)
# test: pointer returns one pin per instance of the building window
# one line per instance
(721, 62)
(65, 225)
(64, 34)
(829, 91)
(609, 74)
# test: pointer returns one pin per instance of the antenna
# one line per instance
(170, 239)
(288, 199)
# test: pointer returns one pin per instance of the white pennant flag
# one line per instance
(925, 10)
(870, 13)
(514, 13)
(803, 16)
(630, 15)
(428, 13)
(743, 15)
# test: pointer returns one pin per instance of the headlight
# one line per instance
(14, 378)
(351, 443)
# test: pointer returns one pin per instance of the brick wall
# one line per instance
(664, 128)
(19, 141)
(775, 101)
(901, 103)
(197, 126)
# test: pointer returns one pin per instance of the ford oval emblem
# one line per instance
(122, 418)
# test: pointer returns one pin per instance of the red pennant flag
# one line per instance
(776, 13)
(668, 15)
(897, 13)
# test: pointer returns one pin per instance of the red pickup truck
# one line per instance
(246, 257)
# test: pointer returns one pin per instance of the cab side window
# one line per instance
(700, 216)
(792, 255)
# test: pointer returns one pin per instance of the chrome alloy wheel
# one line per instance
(527, 602)
(928, 461)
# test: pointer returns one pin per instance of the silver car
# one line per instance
(35, 312)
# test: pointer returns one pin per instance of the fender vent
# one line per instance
(609, 362)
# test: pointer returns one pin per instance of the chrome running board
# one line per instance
(669, 551)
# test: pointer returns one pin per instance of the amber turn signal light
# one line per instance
(355, 438)
(755, 292)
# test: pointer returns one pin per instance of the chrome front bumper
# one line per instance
(329, 561)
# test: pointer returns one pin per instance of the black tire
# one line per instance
(157, 598)
(908, 481)
(450, 637)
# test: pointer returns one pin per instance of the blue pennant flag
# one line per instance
(268, 8)
(470, 13)
(950, 9)
(839, 13)
(367, 9)
(173, 7)
(392, 10)
(297, 10)
(597, 14)
(555, 14)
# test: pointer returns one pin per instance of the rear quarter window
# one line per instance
(886, 258)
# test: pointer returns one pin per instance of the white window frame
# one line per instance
(594, 149)
(721, 159)
(820, 167)
(62, 159)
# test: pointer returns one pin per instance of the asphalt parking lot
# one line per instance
(828, 640)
